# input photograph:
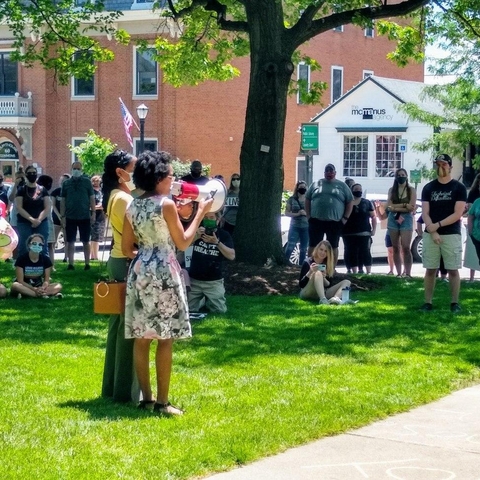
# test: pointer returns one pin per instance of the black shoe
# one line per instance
(455, 308)
(426, 307)
(64, 260)
(87, 267)
(70, 267)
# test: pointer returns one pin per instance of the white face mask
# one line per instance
(76, 173)
(235, 183)
(129, 183)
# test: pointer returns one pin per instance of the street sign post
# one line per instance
(309, 137)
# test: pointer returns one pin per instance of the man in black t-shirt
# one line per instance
(211, 247)
(443, 205)
(195, 176)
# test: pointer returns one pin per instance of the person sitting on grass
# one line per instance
(316, 277)
(3, 291)
(33, 272)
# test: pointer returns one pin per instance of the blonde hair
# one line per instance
(329, 260)
(96, 178)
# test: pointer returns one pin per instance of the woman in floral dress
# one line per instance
(156, 305)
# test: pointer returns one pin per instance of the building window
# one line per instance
(142, 5)
(338, 29)
(301, 172)
(8, 75)
(387, 156)
(148, 144)
(303, 78)
(355, 155)
(75, 143)
(83, 87)
(367, 73)
(369, 32)
(337, 83)
(146, 78)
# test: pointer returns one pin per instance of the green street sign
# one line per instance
(309, 136)
(415, 176)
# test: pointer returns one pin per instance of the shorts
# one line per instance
(317, 229)
(388, 240)
(83, 226)
(407, 223)
(450, 250)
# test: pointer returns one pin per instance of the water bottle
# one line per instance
(345, 294)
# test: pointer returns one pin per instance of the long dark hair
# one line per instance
(295, 190)
(395, 194)
(117, 159)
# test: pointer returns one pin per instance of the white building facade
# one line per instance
(367, 138)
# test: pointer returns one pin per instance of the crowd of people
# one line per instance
(149, 234)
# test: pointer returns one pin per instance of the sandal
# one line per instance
(146, 404)
(167, 409)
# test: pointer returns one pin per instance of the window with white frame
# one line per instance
(369, 32)
(301, 170)
(142, 5)
(146, 73)
(367, 73)
(303, 79)
(149, 144)
(338, 29)
(76, 141)
(83, 87)
(355, 155)
(336, 83)
(387, 156)
(8, 74)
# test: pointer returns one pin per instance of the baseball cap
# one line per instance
(330, 166)
(443, 157)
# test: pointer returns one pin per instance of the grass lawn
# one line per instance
(273, 373)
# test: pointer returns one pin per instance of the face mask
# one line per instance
(209, 224)
(401, 180)
(31, 177)
(357, 194)
(76, 173)
(236, 183)
(442, 171)
(36, 248)
(129, 183)
(301, 191)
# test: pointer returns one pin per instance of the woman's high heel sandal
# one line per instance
(166, 409)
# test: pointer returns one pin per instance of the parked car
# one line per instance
(378, 248)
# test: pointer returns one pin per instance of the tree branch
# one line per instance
(299, 35)
(212, 6)
(460, 17)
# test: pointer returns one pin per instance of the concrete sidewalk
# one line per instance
(439, 441)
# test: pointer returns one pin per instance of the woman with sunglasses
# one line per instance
(298, 231)
(33, 208)
(229, 218)
(33, 272)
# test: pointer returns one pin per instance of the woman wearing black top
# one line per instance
(33, 207)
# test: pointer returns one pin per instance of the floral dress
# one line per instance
(156, 305)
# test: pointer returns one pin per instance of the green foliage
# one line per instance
(244, 379)
(92, 152)
(286, 194)
(182, 168)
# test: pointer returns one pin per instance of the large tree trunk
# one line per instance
(261, 158)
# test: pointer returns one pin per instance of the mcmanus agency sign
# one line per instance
(368, 113)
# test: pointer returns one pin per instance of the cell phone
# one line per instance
(210, 231)
(321, 267)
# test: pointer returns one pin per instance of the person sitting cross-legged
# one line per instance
(33, 272)
(212, 246)
(316, 277)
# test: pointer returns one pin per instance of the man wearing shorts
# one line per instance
(77, 210)
(328, 204)
(443, 205)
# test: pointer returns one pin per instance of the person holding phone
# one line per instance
(316, 277)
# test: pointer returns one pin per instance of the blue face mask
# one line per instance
(36, 248)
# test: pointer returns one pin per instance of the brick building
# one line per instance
(39, 119)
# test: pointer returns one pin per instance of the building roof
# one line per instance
(404, 91)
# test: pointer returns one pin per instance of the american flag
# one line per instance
(128, 121)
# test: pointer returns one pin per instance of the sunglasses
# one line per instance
(235, 178)
(37, 244)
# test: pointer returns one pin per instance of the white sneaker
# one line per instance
(335, 301)
(323, 301)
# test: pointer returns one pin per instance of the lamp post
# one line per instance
(142, 112)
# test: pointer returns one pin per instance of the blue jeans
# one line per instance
(295, 235)
(25, 230)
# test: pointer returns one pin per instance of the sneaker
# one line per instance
(455, 308)
(426, 307)
(335, 301)
(19, 296)
(64, 260)
(58, 295)
(87, 267)
(70, 267)
(323, 301)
